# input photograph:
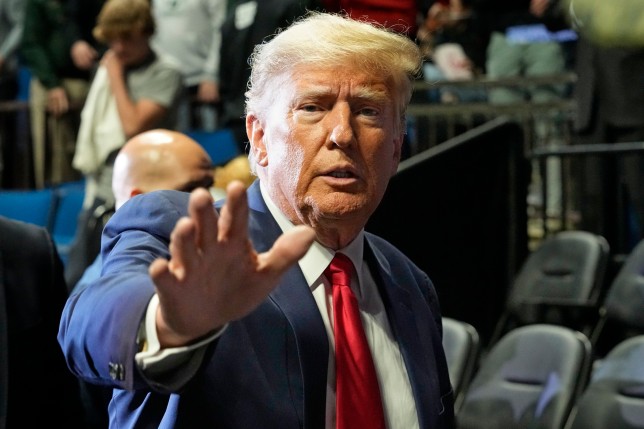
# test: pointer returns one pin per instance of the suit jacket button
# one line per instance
(117, 372)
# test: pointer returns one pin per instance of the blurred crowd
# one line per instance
(99, 72)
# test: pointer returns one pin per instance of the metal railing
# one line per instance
(433, 122)
(32, 159)
(619, 239)
(544, 124)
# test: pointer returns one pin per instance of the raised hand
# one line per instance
(214, 274)
(113, 64)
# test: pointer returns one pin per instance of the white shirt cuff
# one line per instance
(157, 363)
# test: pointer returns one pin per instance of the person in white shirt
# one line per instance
(189, 32)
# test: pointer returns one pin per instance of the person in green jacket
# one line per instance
(57, 92)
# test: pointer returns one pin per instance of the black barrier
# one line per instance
(458, 210)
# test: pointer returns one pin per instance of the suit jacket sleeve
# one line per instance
(100, 325)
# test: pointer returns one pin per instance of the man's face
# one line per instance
(328, 145)
(131, 48)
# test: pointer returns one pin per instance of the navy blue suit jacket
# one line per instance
(267, 370)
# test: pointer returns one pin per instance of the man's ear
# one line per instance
(255, 133)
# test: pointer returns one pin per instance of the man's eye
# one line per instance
(368, 111)
(310, 108)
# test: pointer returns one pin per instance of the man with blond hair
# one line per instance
(274, 308)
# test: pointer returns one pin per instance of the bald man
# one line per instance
(160, 159)
(150, 161)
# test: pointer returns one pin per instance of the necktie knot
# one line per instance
(340, 270)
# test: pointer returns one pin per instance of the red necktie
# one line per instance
(358, 403)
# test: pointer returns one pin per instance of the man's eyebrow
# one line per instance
(363, 93)
(372, 94)
(314, 92)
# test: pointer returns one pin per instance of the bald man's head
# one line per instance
(160, 159)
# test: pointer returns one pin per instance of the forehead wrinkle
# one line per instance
(366, 92)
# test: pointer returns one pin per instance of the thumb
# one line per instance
(287, 250)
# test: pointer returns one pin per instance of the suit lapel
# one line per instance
(411, 325)
(294, 299)
(414, 340)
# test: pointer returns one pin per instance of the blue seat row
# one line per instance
(55, 208)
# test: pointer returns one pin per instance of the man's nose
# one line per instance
(342, 130)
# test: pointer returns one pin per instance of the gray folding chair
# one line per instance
(621, 315)
(614, 397)
(461, 342)
(529, 379)
(559, 283)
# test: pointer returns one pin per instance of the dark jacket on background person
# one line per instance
(498, 15)
(82, 16)
(46, 43)
(37, 390)
(238, 42)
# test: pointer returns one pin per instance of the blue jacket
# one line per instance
(267, 370)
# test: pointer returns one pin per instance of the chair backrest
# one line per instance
(529, 379)
(220, 145)
(31, 206)
(614, 397)
(622, 312)
(69, 202)
(565, 271)
(461, 342)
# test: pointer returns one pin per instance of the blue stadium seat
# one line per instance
(31, 206)
(220, 144)
(69, 201)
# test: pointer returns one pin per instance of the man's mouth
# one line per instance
(341, 174)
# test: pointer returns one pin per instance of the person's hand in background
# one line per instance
(83, 55)
(57, 101)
